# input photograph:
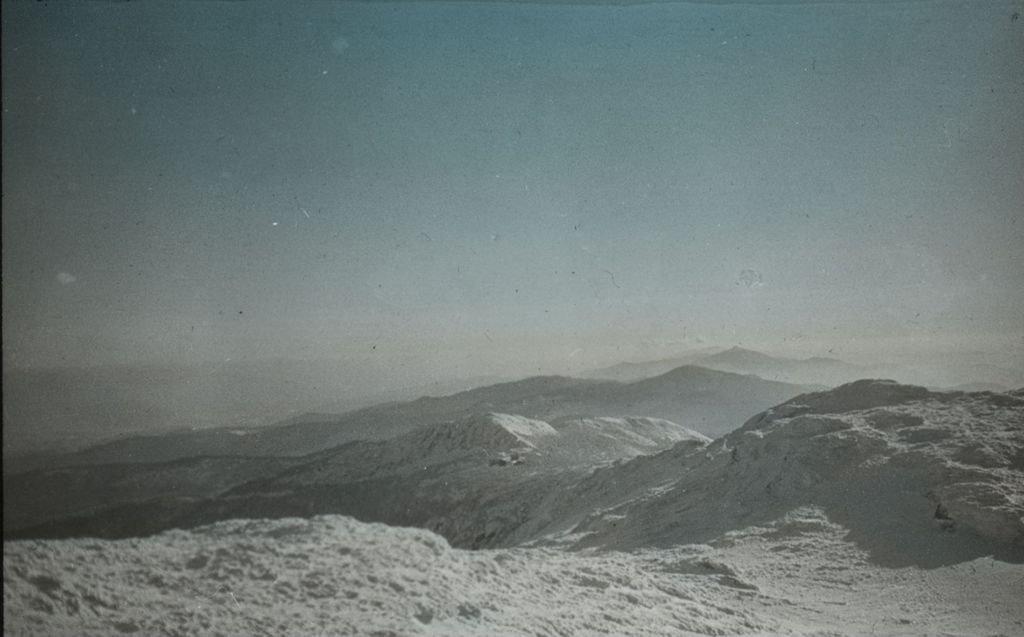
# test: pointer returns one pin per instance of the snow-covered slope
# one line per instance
(487, 431)
(916, 477)
(335, 576)
(643, 432)
(596, 441)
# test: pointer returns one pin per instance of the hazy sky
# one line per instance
(486, 187)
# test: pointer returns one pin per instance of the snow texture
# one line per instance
(916, 477)
(333, 575)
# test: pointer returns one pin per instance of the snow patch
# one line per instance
(525, 429)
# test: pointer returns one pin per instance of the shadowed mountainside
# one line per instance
(475, 466)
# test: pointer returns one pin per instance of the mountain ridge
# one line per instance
(710, 401)
(943, 466)
(815, 370)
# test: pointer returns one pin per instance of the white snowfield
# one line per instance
(893, 463)
(523, 428)
(639, 435)
(333, 575)
(872, 509)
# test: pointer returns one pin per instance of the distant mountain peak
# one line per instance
(694, 373)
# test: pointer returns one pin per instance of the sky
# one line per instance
(507, 187)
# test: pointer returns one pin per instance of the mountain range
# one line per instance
(967, 371)
(434, 476)
(708, 401)
(870, 508)
(815, 370)
(498, 479)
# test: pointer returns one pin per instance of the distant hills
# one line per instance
(955, 373)
(709, 401)
(627, 372)
(153, 413)
(68, 409)
(815, 370)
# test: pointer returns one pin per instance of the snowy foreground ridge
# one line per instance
(874, 509)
